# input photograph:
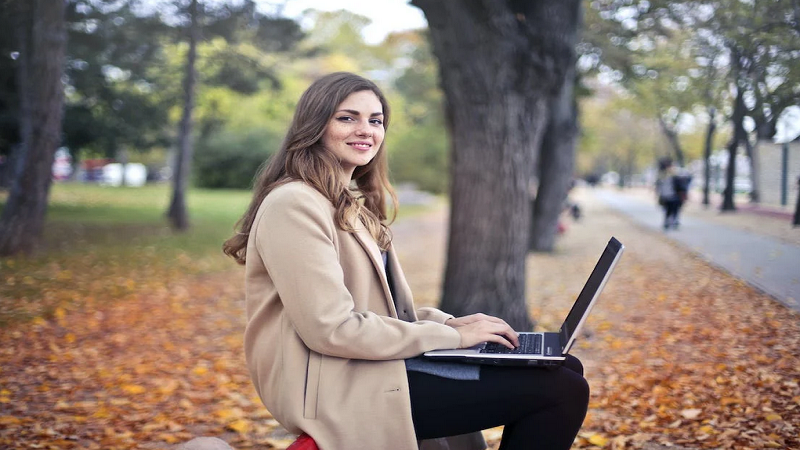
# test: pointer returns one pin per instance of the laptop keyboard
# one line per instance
(529, 344)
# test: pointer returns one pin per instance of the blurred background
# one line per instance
(131, 130)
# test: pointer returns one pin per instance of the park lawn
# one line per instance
(104, 244)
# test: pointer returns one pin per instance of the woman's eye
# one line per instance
(344, 118)
(376, 121)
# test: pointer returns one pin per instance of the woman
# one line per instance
(331, 321)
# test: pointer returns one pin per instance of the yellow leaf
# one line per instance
(70, 338)
(39, 321)
(706, 429)
(240, 425)
(772, 444)
(773, 417)
(133, 389)
(598, 440)
(230, 414)
(200, 370)
(169, 438)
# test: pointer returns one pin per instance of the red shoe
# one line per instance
(303, 442)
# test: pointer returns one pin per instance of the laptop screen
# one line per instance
(592, 288)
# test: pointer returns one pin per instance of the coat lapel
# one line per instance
(373, 251)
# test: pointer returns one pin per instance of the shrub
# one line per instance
(230, 160)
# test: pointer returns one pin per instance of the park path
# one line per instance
(767, 261)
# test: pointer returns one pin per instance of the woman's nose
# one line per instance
(363, 130)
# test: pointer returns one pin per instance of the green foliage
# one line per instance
(420, 156)
(231, 160)
(111, 99)
(419, 147)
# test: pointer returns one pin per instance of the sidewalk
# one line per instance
(757, 245)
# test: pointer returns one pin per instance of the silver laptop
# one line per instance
(546, 349)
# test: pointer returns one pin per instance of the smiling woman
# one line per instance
(355, 132)
(333, 340)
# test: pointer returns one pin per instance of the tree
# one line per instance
(177, 212)
(115, 103)
(556, 162)
(41, 42)
(237, 70)
(500, 63)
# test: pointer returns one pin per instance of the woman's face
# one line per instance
(355, 132)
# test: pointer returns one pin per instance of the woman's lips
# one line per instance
(360, 145)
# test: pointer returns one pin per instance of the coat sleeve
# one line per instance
(433, 314)
(294, 235)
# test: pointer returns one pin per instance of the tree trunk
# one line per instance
(796, 219)
(42, 43)
(178, 215)
(672, 137)
(556, 165)
(738, 134)
(499, 63)
(755, 168)
(712, 126)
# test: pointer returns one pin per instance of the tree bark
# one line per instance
(738, 134)
(712, 126)
(556, 165)
(755, 168)
(42, 42)
(796, 218)
(499, 63)
(177, 213)
(672, 137)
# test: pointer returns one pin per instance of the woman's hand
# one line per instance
(477, 328)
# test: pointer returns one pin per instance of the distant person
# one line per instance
(672, 189)
(333, 338)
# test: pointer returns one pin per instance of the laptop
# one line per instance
(549, 348)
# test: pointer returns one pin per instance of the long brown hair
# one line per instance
(302, 157)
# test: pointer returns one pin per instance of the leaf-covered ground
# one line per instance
(144, 355)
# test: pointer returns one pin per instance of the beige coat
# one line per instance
(324, 342)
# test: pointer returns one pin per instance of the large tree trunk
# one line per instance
(712, 126)
(499, 63)
(42, 44)
(738, 135)
(177, 213)
(556, 164)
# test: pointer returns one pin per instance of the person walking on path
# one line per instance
(333, 339)
(672, 188)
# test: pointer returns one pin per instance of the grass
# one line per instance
(105, 243)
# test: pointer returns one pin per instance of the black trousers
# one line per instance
(671, 210)
(541, 408)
